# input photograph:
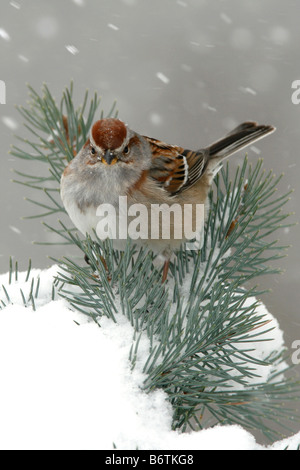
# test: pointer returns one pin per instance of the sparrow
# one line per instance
(117, 162)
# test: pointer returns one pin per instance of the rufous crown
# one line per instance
(108, 134)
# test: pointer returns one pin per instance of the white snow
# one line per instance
(255, 149)
(15, 229)
(70, 386)
(248, 90)
(186, 68)
(161, 76)
(10, 123)
(225, 18)
(113, 26)
(130, 3)
(181, 3)
(4, 34)
(15, 5)
(156, 119)
(280, 35)
(80, 3)
(72, 49)
(208, 107)
(23, 58)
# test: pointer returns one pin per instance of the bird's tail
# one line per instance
(243, 135)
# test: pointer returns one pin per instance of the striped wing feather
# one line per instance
(175, 168)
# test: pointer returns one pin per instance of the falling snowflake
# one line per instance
(255, 150)
(225, 18)
(4, 34)
(15, 229)
(279, 35)
(155, 119)
(186, 68)
(130, 3)
(15, 5)
(81, 3)
(163, 77)
(113, 26)
(23, 58)
(10, 123)
(181, 3)
(248, 90)
(210, 108)
(72, 49)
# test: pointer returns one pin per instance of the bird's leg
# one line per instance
(87, 260)
(239, 213)
(165, 270)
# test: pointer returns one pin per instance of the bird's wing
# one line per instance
(175, 168)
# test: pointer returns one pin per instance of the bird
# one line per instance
(118, 164)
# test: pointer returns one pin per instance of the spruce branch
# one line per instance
(202, 326)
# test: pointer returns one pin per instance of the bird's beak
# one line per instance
(109, 158)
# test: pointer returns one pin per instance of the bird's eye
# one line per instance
(93, 151)
(126, 150)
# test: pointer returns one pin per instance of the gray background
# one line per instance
(225, 62)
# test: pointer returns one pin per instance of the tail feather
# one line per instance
(244, 126)
(240, 137)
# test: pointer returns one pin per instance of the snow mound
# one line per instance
(66, 383)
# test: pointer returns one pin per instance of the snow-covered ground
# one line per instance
(66, 383)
